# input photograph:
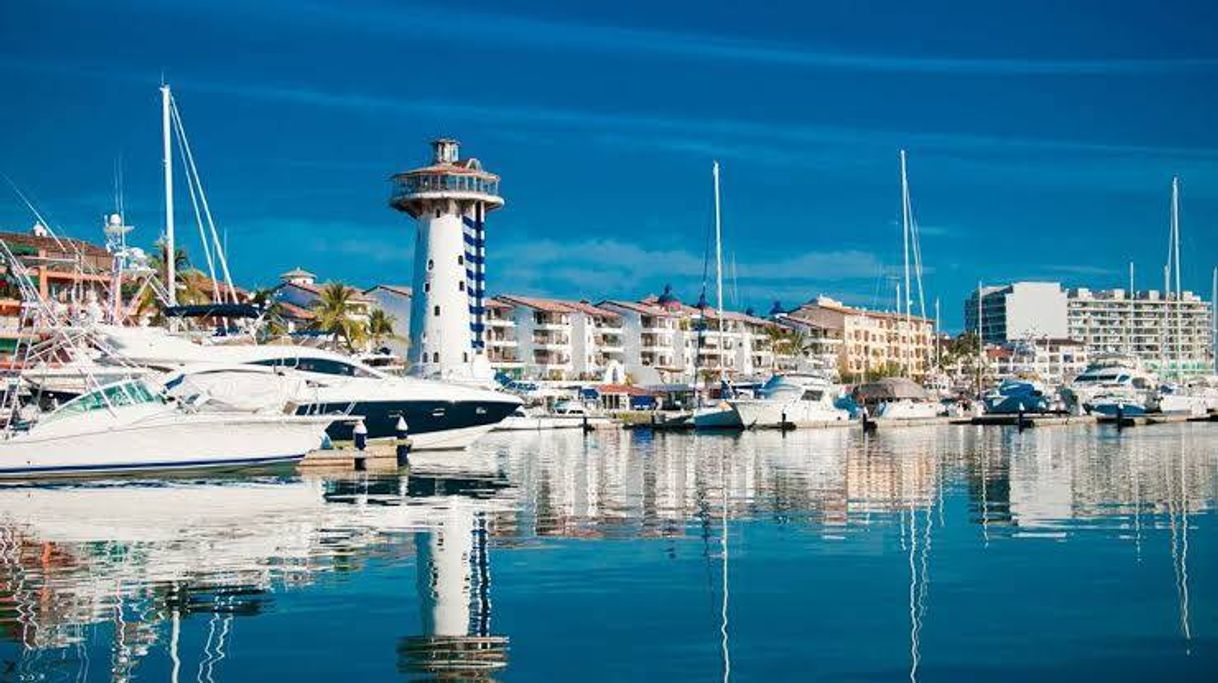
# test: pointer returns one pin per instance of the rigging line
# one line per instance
(190, 185)
(38, 216)
(223, 258)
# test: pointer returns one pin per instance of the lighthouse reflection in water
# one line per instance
(924, 553)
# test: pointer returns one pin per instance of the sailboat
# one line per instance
(719, 415)
(1177, 397)
(912, 405)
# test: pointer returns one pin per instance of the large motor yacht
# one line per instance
(438, 415)
(1109, 381)
(791, 400)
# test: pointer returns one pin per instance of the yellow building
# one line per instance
(872, 342)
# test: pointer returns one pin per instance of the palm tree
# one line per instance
(776, 336)
(273, 325)
(380, 326)
(332, 314)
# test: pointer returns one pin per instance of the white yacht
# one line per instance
(439, 415)
(128, 426)
(799, 400)
(898, 398)
(1116, 379)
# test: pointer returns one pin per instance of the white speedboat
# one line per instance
(909, 409)
(799, 400)
(1182, 400)
(128, 426)
(1116, 378)
(439, 415)
(565, 415)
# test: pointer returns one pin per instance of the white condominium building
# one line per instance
(502, 348)
(1056, 361)
(564, 340)
(1172, 337)
(1022, 310)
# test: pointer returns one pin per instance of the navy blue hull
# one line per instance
(422, 417)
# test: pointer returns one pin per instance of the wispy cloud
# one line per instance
(519, 31)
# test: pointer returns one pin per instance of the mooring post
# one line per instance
(402, 449)
(360, 436)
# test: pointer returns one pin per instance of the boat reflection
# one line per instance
(172, 568)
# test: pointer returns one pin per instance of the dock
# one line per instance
(377, 457)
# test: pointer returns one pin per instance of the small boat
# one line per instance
(718, 416)
(565, 415)
(1121, 403)
(1013, 396)
(791, 400)
(898, 398)
(128, 426)
(1182, 400)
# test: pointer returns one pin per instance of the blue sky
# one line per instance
(1042, 135)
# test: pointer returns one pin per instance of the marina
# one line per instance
(985, 552)
(554, 341)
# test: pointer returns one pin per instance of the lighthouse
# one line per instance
(449, 200)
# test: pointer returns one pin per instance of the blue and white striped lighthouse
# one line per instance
(449, 200)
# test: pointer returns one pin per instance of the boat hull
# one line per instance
(717, 417)
(908, 410)
(763, 413)
(202, 442)
(430, 424)
(533, 423)
(1110, 409)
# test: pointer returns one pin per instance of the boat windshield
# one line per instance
(117, 395)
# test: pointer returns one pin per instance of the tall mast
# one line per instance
(1214, 321)
(719, 264)
(905, 230)
(167, 148)
(980, 338)
(1175, 236)
(1129, 320)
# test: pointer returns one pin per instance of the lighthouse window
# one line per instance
(465, 356)
(461, 286)
(437, 213)
(435, 357)
(460, 259)
(435, 311)
(430, 264)
(426, 286)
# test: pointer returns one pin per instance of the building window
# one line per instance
(435, 311)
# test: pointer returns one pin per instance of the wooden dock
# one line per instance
(377, 457)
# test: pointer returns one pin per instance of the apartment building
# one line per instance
(562, 340)
(654, 340)
(1172, 336)
(870, 341)
(502, 348)
(1022, 310)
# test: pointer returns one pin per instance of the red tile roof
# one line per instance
(557, 305)
(401, 290)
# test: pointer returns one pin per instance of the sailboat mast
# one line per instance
(719, 264)
(905, 233)
(1175, 236)
(1214, 320)
(980, 339)
(167, 148)
(1129, 320)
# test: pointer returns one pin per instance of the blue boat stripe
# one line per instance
(152, 466)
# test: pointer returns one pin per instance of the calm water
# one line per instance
(954, 553)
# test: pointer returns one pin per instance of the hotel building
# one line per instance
(1172, 336)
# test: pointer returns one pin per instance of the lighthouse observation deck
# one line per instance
(447, 178)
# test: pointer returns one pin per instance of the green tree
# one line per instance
(380, 326)
(332, 314)
(273, 324)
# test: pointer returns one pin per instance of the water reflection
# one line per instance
(110, 579)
